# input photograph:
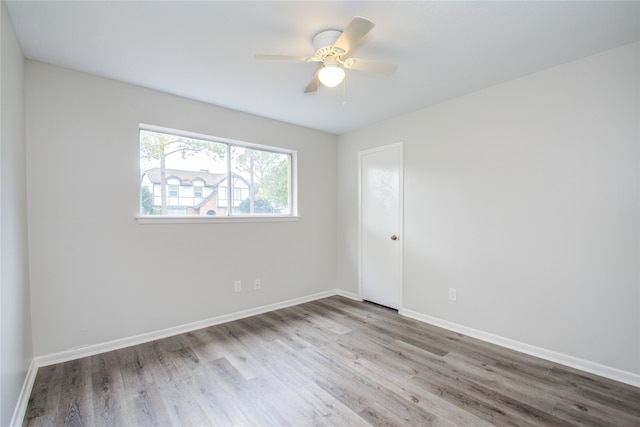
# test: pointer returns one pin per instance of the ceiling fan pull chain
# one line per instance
(344, 92)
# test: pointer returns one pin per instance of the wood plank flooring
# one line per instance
(331, 362)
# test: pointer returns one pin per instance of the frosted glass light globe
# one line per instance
(331, 76)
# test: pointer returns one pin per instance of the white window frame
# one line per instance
(194, 219)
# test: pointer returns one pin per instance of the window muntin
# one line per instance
(195, 174)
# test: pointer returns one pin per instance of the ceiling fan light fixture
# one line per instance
(331, 75)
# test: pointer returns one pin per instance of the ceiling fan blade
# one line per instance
(370, 66)
(314, 83)
(355, 31)
(283, 57)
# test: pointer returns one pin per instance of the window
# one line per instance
(197, 189)
(186, 175)
(173, 190)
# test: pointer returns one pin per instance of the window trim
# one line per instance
(208, 219)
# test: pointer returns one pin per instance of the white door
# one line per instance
(380, 246)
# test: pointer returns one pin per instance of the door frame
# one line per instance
(400, 146)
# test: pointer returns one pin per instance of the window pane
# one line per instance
(173, 163)
(187, 176)
(261, 181)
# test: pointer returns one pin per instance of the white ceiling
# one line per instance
(204, 50)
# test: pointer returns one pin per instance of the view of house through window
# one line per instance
(185, 176)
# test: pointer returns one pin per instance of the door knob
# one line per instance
(394, 237)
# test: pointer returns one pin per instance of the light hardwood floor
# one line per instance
(331, 362)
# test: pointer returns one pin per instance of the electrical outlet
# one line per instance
(257, 285)
(453, 294)
(237, 286)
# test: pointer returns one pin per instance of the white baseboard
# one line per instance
(552, 356)
(348, 294)
(23, 399)
(91, 350)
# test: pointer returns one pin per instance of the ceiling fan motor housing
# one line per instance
(323, 43)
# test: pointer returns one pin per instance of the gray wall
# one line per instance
(15, 319)
(525, 198)
(96, 274)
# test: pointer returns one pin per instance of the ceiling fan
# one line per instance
(332, 50)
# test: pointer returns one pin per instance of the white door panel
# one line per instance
(381, 224)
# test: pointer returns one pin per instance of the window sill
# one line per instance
(144, 220)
